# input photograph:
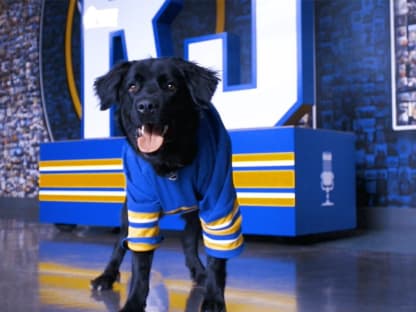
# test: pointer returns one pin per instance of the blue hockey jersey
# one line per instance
(206, 184)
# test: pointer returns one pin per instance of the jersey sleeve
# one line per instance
(219, 210)
(143, 207)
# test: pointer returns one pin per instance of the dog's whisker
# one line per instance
(165, 129)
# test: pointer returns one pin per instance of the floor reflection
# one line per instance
(43, 269)
(65, 269)
(68, 261)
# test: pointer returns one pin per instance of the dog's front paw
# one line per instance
(213, 302)
(104, 281)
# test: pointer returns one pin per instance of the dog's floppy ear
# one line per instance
(107, 86)
(201, 81)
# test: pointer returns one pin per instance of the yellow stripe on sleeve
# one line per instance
(143, 232)
(141, 246)
(236, 226)
(223, 245)
(142, 217)
(224, 221)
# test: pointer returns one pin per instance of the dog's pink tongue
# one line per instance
(150, 140)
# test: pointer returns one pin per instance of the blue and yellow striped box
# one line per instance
(290, 181)
(284, 175)
(81, 182)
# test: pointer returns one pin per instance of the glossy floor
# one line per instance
(43, 269)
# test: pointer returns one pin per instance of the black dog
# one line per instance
(178, 160)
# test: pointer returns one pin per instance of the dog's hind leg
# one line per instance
(190, 241)
(215, 285)
(112, 271)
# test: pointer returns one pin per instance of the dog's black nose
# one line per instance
(144, 107)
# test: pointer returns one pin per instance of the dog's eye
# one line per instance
(133, 88)
(171, 86)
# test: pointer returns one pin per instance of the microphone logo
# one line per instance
(327, 177)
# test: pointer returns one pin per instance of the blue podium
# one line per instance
(290, 181)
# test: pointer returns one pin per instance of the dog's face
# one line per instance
(159, 103)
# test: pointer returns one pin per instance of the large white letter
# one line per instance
(100, 18)
(275, 51)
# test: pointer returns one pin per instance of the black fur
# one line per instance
(172, 92)
(179, 109)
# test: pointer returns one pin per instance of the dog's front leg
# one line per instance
(215, 285)
(139, 283)
(190, 239)
(112, 270)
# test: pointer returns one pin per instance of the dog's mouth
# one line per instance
(151, 137)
